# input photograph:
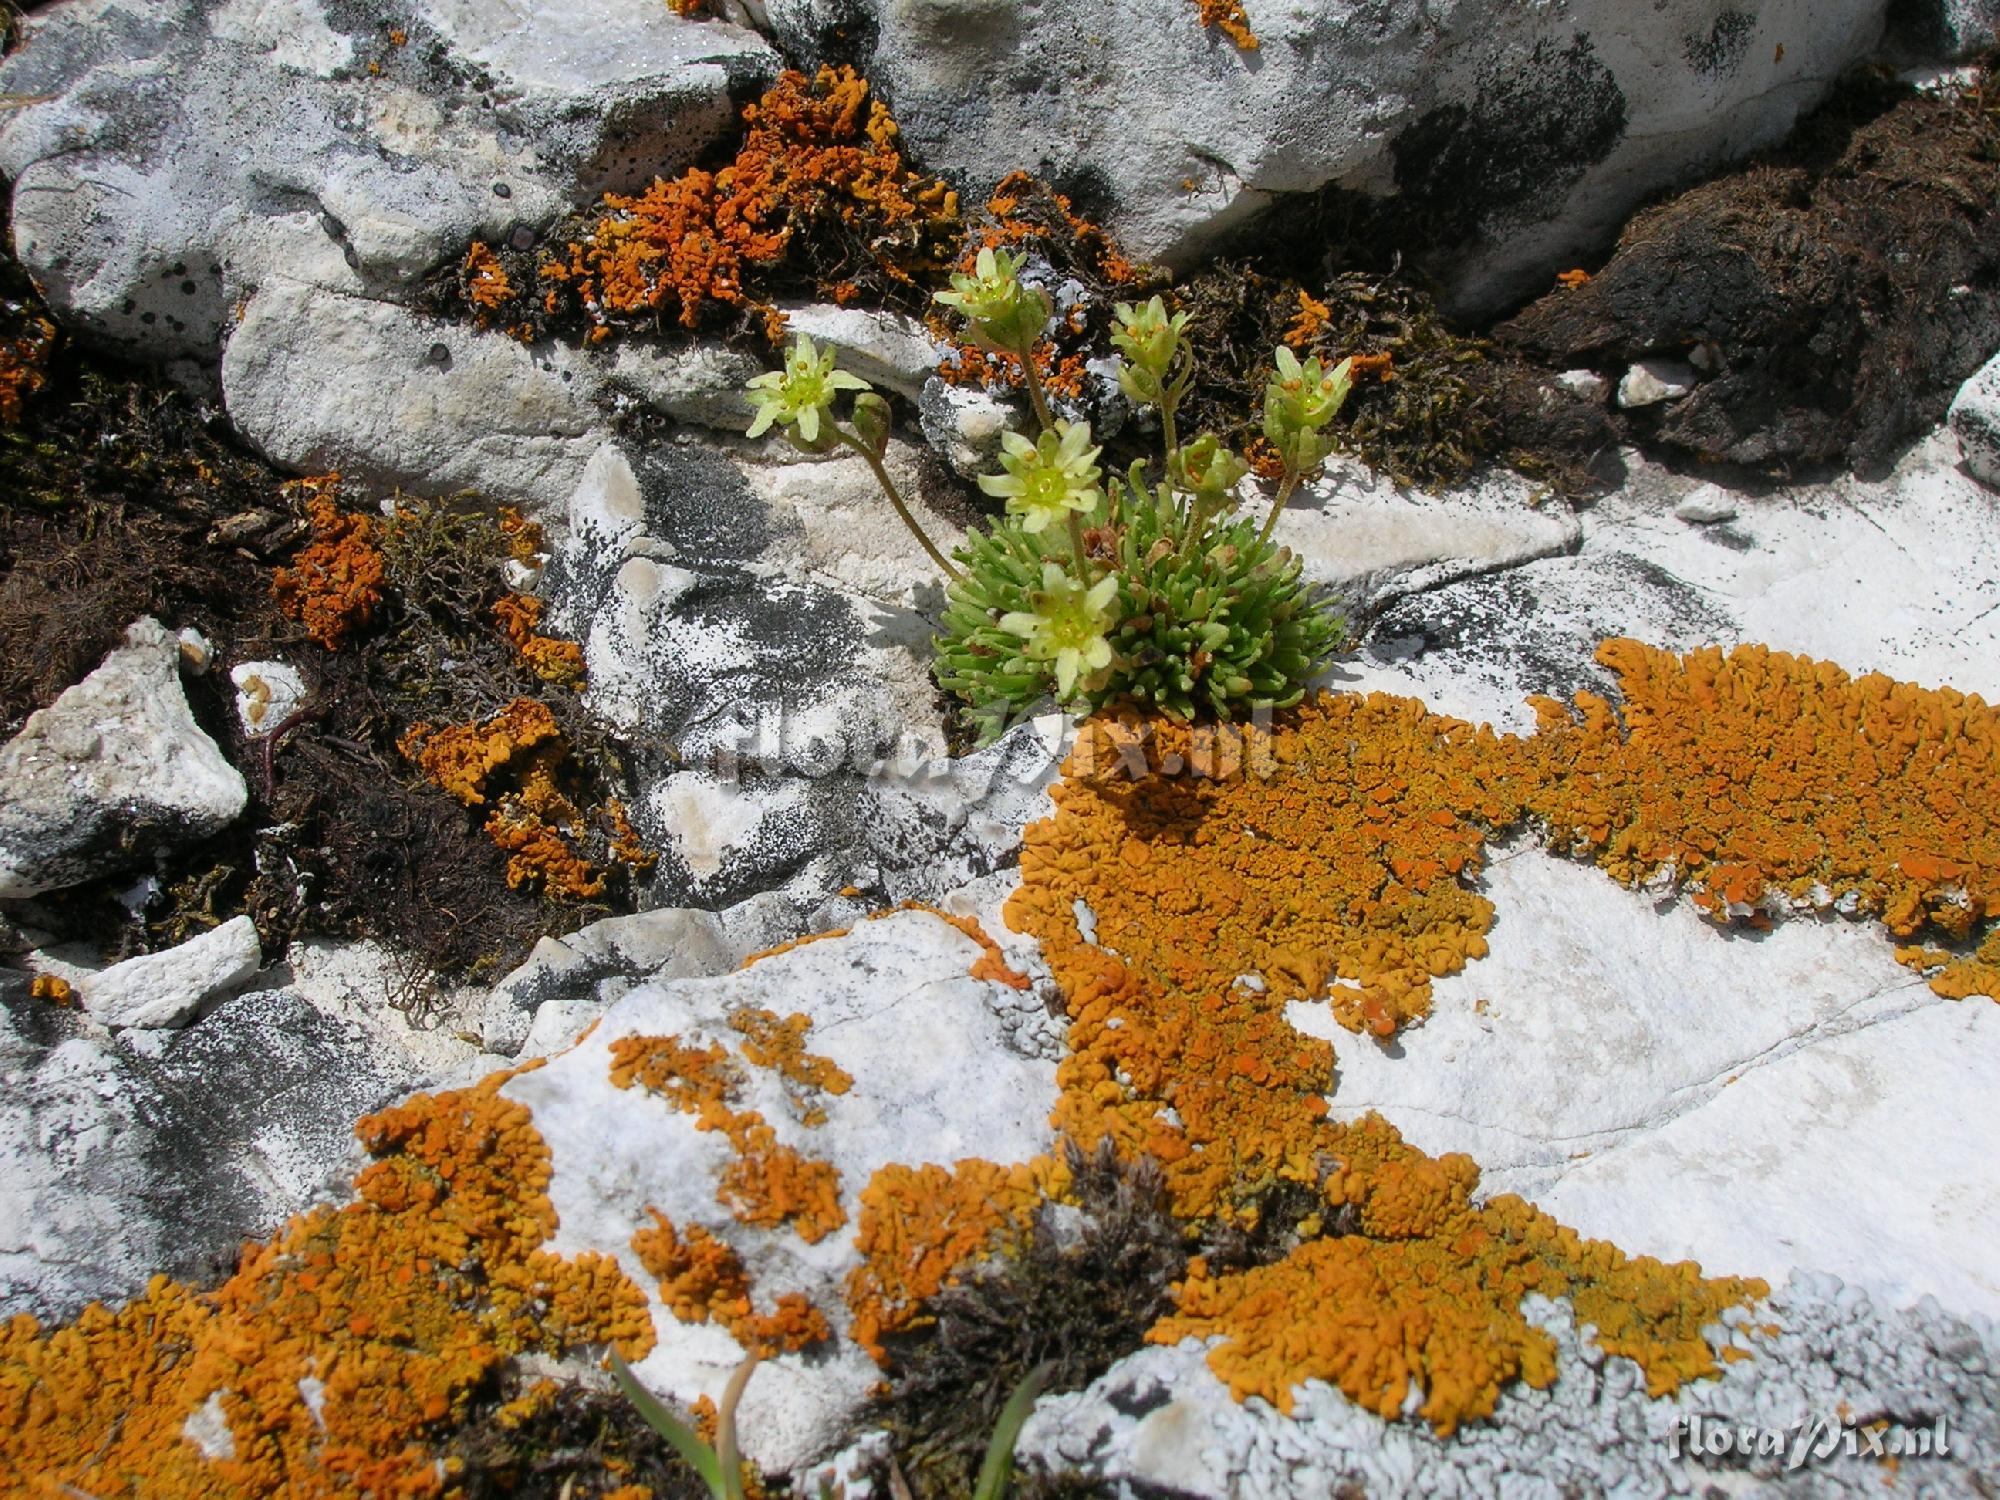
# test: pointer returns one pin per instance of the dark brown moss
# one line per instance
(1079, 1294)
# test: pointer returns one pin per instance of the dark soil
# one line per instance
(1839, 289)
(1076, 1297)
(123, 495)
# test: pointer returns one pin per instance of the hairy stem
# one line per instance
(881, 473)
(1284, 493)
(1076, 547)
(1034, 383)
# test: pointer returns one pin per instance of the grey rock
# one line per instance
(1530, 134)
(149, 211)
(701, 385)
(1651, 381)
(1708, 505)
(127, 1154)
(964, 424)
(1161, 1423)
(323, 380)
(1585, 385)
(609, 96)
(787, 729)
(591, 968)
(113, 771)
(167, 988)
(1975, 420)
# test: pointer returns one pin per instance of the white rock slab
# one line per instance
(1855, 572)
(1757, 1102)
(1373, 541)
(1651, 381)
(111, 771)
(893, 1004)
(168, 988)
(1974, 419)
(1870, 1155)
(319, 380)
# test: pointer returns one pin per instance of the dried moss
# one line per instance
(1078, 1291)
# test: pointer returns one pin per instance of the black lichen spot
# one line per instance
(1535, 128)
(1722, 49)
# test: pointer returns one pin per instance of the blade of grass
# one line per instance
(999, 1464)
(686, 1441)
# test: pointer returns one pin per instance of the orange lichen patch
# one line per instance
(767, 1183)
(51, 987)
(790, 943)
(623, 839)
(462, 757)
(397, 1306)
(1761, 779)
(525, 540)
(779, 1045)
(1312, 318)
(1326, 855)
(484, 280)
(1571, 280)
(1342, 876)
(920, 1226)
(334, 585)
(24, 367)
(703, 1280)
(695, 1080)
(1227, 16)
(1023, 212)
(551, 659)
(818, 154)
(1382, 366)
(1956, 977)
(691, 10)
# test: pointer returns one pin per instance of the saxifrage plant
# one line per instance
(1149, 589)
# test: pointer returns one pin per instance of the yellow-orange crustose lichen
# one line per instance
(334, 585)
(549, 658)
(921, 1225)
(816, 151)
(1325, 855)
(484, 279)
(24, 367)
(1762, 780)
(338, 1349)
(703, 1280)
(51, 987)
(461, 757)
(767, 1184)
(1227, 16)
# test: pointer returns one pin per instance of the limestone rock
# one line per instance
(111, 772)
(322, 380)
(1710, 505)
(167, 988)
(964, 425)
(1651, 381)
(1975, 420)
(1849, 572)
(1373, 542)
(149, 211)
(132, 1153)
(1531, 135)
(889, 351)
(1160, 1422)
(725, 617)
(891, 1003)
(702, 384)
(267, 693)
